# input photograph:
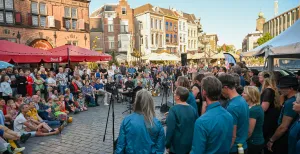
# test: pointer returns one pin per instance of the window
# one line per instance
(156, 39)
(152, 22)
(124, 11)
(6, 11)
(155, 24)
(152, 39)
(183, 26)
(160, 40)
(9, 17)
(180, 38)
(71, 18)
(167, 25)
(171, 38)
(160, 25)
(111, 42)
(110, 26)
(180, 25)
(171, 26)
(43, 9)
(43, 21)
(1, 4)
(184, 38)
(124, 26)
(9, 4)
(194, 44)
(189, 32)
(167, 38)
(175, 38)
(1, 16)
(75, 43)
(189, 45)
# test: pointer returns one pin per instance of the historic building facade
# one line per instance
(150, 29)
(192, 45)
(281, 22)
(112, 28)
(45, 24)
(182, 31)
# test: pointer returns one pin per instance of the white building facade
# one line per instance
(149, 28)
(182, 32)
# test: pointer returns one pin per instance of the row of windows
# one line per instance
(182, 25)
(170, 26)
(158, 39)
(192, 44)
(38, 14)
(192, 33)
(171, 38)
(156, 24)
(123, 28)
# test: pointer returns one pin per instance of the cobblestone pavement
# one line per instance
(85, 134)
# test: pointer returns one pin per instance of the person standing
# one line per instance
(184, 82)
(141, 132)
(179, 137)
(256, 138)
(278, 143)
(213, 130)
(6, 89)
(61, 77)
(294, 135)
(21, 84)
(196, 89)
(239, 110)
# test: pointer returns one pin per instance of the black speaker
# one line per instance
(183, 59)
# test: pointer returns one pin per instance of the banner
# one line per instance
(229, 59)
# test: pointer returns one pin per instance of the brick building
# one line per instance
(171, 29)
(112, 28)
(45, 24)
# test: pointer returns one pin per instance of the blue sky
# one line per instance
(232, 20)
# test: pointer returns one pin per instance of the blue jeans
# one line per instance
(90, 100)
(62, 89)
(52, 123)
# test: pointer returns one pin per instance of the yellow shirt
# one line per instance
(33, 114)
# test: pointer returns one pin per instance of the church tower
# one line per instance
(260, 22)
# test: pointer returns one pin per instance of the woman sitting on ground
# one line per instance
(141, 132)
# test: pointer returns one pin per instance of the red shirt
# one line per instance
(75, 87)
(4, 109)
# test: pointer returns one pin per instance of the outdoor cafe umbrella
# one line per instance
(4, 64)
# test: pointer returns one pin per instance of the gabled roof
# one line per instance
(167, 12)
(190, 17)
(144, 8)
(105, 7)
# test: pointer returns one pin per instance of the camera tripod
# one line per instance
(111, 105)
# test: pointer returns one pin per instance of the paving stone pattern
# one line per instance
(85, 134)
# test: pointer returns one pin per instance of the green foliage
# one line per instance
(226, 47)
(264, 39)
(114, 59)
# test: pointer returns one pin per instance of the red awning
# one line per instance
(20, 53)
(78, 54)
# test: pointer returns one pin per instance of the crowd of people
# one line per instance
(223, 110)
(217, 110)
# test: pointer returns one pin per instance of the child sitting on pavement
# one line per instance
(81, 102)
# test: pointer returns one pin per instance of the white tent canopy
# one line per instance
(290, 36)
(161, 57)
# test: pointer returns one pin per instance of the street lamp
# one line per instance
(19, 37)
(204, 40)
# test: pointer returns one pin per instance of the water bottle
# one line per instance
(240, 149)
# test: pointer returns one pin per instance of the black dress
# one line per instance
(21, 82)
(271, 115)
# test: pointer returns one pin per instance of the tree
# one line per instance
(264, 39)
(113, 60)
(226, 48)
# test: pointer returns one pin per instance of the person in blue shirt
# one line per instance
(213, 130)
(184, 82)
(294, 135)
(278, 143)
(179, 137)
(99, 89)
(141, 132)
(131, 70)
(239, 109)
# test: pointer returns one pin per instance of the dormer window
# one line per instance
(124, 12)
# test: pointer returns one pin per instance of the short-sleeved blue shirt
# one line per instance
(239, 110)
(287, 110)
(192, 101)
(213, 131)
(294, 137)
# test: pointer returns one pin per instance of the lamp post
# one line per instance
(205, 41)
(68, 55)
(55, 37)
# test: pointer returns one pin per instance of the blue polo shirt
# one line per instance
(287, 110)
(239, 110)
(213, 131)
(131, 70)
(192, 101)
(98, 86)
(294, 138)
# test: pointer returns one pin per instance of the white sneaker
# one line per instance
(106, 104)
(17, 150)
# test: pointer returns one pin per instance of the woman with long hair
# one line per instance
(141, 132)
(256, 120)
(184, 82)
(270, 103)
